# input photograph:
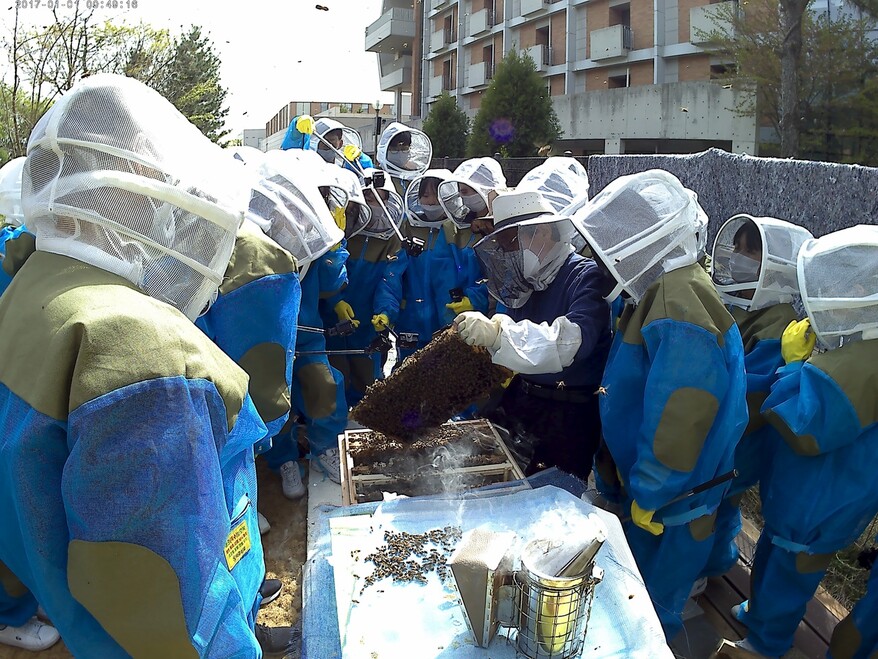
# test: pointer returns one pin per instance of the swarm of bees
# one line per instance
(432, 385)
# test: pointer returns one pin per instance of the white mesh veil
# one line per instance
(287, 205)
(640, 226)
(320, 144)
(525, 256)
(117, 177)
(422, 207)
(10, 191)
(560, 180)
(772, 278)
(409, 162)
(388, 212)
(357, 213)
(838, 280)
(465, 196)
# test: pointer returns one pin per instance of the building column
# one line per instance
(613, 146)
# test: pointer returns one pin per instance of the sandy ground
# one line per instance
(285, 551)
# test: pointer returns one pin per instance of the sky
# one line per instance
(272, 52)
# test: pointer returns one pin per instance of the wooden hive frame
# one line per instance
(352, 484)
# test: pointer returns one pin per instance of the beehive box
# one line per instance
(456, 456)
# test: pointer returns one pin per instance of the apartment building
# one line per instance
(625, 76)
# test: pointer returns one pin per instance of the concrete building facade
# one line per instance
(625, 76)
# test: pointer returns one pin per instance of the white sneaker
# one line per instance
(32, 635)
(264, 526)
(698, 587)
(330, 463)
(291, 480)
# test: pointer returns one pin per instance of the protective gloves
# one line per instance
(351, 152)
(340, 218)
(643, 519)
(380, 322)
(798, 341)
(305, 124)
(476, 329)
(460, 307)
(344, 311)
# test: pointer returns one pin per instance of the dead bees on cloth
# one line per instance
(431, 386)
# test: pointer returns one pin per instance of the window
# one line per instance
(488, 58)
(615, 82)
(544, 39)
(447, 75)
(448, 27)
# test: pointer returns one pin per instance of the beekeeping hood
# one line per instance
(289, 208)
(408, 163)
(116, 177)
(560, 180)
(481, 175)
(838, 280)
(639, 227)
(775, 281)
(528, 246)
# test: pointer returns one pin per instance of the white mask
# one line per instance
(433, 212)
(474, 202)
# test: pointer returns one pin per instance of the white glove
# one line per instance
(476, 329)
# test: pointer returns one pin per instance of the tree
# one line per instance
(447, 126)
(48, 61)
(192, 83)
(833, 60)
(516, 116)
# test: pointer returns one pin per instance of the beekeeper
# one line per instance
(820, 492)
(673, 394)
(552, 329)
(129, 443)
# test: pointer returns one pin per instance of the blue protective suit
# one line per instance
(318, 389)
(254, 322)
(370, 261)
(760, 331)
(9, 233)
(821, 491)
(464, 263)
(856, 637)
(294, 138)
(673, 409)
(127, 457)
(415, 295)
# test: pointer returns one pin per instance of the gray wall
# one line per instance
(822, 197)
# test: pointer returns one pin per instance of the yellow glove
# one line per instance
(351, 152)
(643, 519)
(339, 217)
(460, 307)
(797, 342)
(380, 322)
(305, 124)
(344, 311)
(505, 384)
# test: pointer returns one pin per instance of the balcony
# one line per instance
(393, 31)
(436, 86)
(481, 74)
(540, 54)
(706, 19)
(437, 41)
(531, 6)
(613, 41)
(437, 4)
(397, 74)
(481, 21)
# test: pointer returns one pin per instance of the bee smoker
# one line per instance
(545, 593)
